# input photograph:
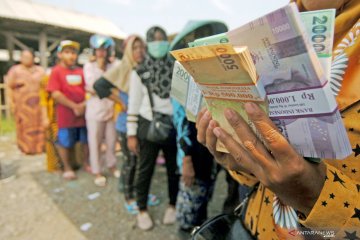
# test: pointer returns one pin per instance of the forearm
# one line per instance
(12, 83)
(114, 96)
(103, 87)
(135, 101)
(62, 99)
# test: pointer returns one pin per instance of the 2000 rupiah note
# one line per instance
(186, 92)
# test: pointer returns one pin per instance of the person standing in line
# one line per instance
(197, 166)
(53, 162)
(114, 84)
(67, 87)
(99, 112)
(24, 81)
(153, 80)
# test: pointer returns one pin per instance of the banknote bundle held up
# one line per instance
(282, 61)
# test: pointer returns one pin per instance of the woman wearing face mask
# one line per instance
(154, 74)
(114, 84)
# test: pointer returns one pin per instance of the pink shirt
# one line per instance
(96, 109)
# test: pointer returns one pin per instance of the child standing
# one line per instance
(67, 88)
(99, 112)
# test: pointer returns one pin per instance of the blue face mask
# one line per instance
(158, 49)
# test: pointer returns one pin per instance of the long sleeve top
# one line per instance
(139, 104)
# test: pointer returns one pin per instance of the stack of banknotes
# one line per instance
(282, 61)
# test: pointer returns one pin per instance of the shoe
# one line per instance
(132, 208)
(100, 181)
(160, 160)
(169, 216)
(69, 175)
(143, 221)
(116, 173)
(152, 200)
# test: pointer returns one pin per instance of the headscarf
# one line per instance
(345, 70)
(119, 74)
(156, 73)
(195, 29)
(150, 34)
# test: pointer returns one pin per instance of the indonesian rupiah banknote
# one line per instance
(226, 77)
(286, 54)
(300, 101)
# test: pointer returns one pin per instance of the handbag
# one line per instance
(226, 226)
(161, 129)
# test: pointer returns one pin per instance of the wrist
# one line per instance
(187, 160)
(304, 199)
(73, 105)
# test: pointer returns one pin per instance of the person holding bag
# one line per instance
(149, 124)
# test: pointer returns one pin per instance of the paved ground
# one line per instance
(38, 205)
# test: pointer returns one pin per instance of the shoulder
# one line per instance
(39, 68)
(77, 70)
(113, 64)
(13, 68)
(56, 69)
(134, 75)
(88, 65)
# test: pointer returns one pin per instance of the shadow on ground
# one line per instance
(100, 211)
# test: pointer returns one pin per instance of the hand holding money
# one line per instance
(296, 182)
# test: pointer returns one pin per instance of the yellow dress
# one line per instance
(52, 157)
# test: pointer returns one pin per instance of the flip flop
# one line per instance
(116, 173)
(87, 168)
(152, 200)
(100, 181)
(132, 208)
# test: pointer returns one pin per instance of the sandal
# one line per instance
(152, 200)
(69, 175)
(100, 181)
(87, 168)
(132, 208)
(116, 173)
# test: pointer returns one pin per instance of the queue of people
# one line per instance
(309, 194)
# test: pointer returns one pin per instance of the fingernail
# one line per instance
(250, 107)
(212, 124)
(217, 132)
(230, 114)
(207, 115)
